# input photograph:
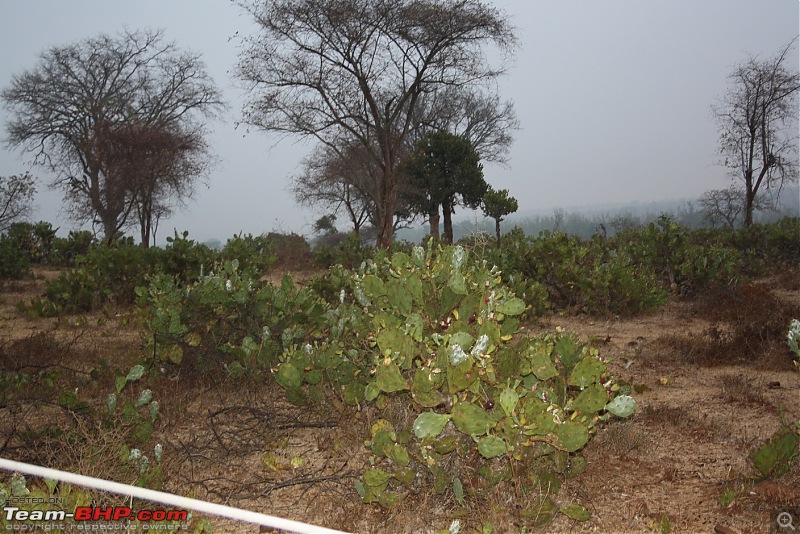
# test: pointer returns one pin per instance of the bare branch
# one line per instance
(757, 123)
(71, 112)
(16, 195)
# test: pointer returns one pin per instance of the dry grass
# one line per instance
(740, 389)
(624, 438)
(748, 327)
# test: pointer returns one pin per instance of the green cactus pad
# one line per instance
(576, 512)
(461, 377)
(471, 419)
(445, 444)
(377, 478)
(491, 447)
(509, 399)
(398, 454)
(541, 365)
(423, 391)
(373, 287)
(622, 406)
(571, 436)
(389, 379)
(381, 443)
(587, 371)
(430, 424)
(288, 376)
(399, 297)
(591, 400)
(513, 306)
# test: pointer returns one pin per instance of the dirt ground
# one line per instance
(711, 385)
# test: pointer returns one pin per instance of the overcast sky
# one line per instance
(613, 97)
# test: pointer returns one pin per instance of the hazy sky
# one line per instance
(613, 97)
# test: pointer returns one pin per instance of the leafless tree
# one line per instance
(337, 180)
(344, 71)
(154, 166)
(725, 206)
(69, 108)
(757, 122)
(16, 196)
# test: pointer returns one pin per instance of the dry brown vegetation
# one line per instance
(713, 378)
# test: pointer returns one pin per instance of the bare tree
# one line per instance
(725, 206)
(355, 70)
(155, 166)
(337, 180)
(16, 195)
(558, 218)
(757, 122)
(69, 108)
(334, 183)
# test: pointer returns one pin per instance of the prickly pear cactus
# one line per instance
(441, 332)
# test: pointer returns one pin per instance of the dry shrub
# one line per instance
(738, 389)
(35, 351)
(788, 280)
(623, 438)
(749, 325)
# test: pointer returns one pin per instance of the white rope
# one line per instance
(166, 498)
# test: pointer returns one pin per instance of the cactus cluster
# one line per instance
(442, 333)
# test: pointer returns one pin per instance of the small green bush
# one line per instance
(227, 320)
(679, 259)
(254, 253)
(109, 274)
(291, 251)
(13, 264)
(351, 252)
(564, 272)
(67, 250)
(183, 258)
(33, 240)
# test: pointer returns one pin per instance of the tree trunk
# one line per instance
(145, 232)
(109, 230)
(749, 194)
(748, 208)
(497, 230)
(386, 214)
(447, 214)
(433, 219)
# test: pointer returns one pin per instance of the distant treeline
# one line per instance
(612, 221)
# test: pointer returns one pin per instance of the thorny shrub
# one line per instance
(51, 418)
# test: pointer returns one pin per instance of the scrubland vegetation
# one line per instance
(420, 375)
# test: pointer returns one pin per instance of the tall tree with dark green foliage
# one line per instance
(498, 204)
(444, 170)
